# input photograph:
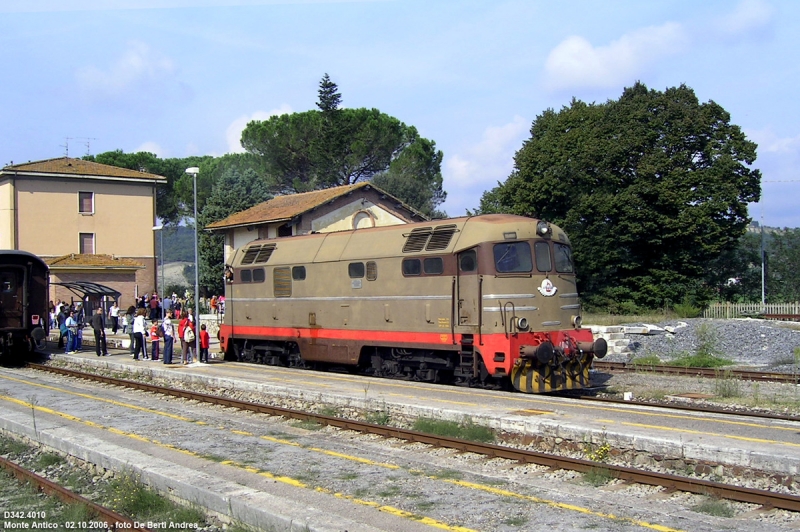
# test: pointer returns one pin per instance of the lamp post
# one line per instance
(160, 229)
(194, 170)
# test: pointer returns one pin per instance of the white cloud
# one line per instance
(575, 63)
(151, 147)
(769, 142)
(233, 134)
(749, 16)
(138, 71)
(469, 174)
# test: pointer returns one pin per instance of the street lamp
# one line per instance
(194, 170)
(160, 229)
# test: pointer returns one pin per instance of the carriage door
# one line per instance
(12, 297)
(468, 290)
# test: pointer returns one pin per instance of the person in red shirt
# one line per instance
(205, 341)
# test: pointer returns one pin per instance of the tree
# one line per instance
(235, 191)
(334, 146)
(783, 282)
(174, 199)
(651, 188)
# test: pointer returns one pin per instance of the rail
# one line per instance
(748, 375)
(112, 519)
(764, 498)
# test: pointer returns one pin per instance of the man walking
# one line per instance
(98, 325)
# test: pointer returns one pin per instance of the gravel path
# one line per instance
(748, 342)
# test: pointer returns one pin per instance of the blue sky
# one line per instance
(183, 77)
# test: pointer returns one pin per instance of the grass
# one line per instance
(700, 360)
(127, 495)
(714, 507)
(726, 385)
(46, 460)
(598, 476)
(515, 521)
(465, 430)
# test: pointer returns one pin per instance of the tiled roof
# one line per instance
(77, 260)
(67, 166)
(286, 207)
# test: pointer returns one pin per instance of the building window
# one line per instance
(86, 202)
(87, 243)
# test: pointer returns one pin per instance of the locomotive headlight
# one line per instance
(522, 324)
(543, 228)
(577, 321)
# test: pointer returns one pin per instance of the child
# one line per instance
(155, 330)
(124, 324)
(205, 340)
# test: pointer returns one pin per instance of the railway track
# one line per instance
(106, 519)
(764, 498)
(750, 375)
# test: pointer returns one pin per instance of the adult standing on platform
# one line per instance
(169, 337)
(99, 327)
(113, 313)
(138, 333)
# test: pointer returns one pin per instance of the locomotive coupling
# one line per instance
(598, 348)
(543, 352)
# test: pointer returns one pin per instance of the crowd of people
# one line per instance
(152, 320)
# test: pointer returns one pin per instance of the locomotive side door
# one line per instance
(468, 296)
(12, 297)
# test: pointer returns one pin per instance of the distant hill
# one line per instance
(178, 244)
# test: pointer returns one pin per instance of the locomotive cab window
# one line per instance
(258, 275)
(246, 276)
(298, 273)
(468, 261)
(355, 270)
(544, 262)
(563, 258)
(513, 257)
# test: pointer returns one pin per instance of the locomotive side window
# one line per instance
(412, 267)
(258, 275)
(282, 282)
(563, 258)
(512, 257)
(298, 273)
(355, 270)
(468, 261)
(433, 266)
(246, 276)
(543, 261)
(372, 270)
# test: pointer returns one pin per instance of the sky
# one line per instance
(183, 77)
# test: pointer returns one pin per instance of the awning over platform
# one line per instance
(87, 288)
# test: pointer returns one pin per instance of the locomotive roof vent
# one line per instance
(429, 239)
(258, 254)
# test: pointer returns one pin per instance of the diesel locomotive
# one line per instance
(24, 312)
(487, 301)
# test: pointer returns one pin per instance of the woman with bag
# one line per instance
(187, 336)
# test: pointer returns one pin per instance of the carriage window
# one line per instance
(282, 282)
(543, 260)
(468, 261)
(412, 267)
(298, 273)
(246, 276)
(512, 257)
(258, 275)
(7, 285)
(372, 270)
(433, 265)
(355, 270)
(563, 258)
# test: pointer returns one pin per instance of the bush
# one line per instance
(687, 309)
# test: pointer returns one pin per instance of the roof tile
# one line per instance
(69, 166)
(78, 260)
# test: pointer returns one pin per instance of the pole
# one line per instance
(161, 237)
(196, 278)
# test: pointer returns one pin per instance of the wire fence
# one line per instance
(743, 310)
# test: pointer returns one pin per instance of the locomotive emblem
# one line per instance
(548, 288)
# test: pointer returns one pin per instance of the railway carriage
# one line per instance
(486, 301)
(24, 312)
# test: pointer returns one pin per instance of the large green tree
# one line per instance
(336, 146)
(783, 283)
(651, 188)
(235, 190)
